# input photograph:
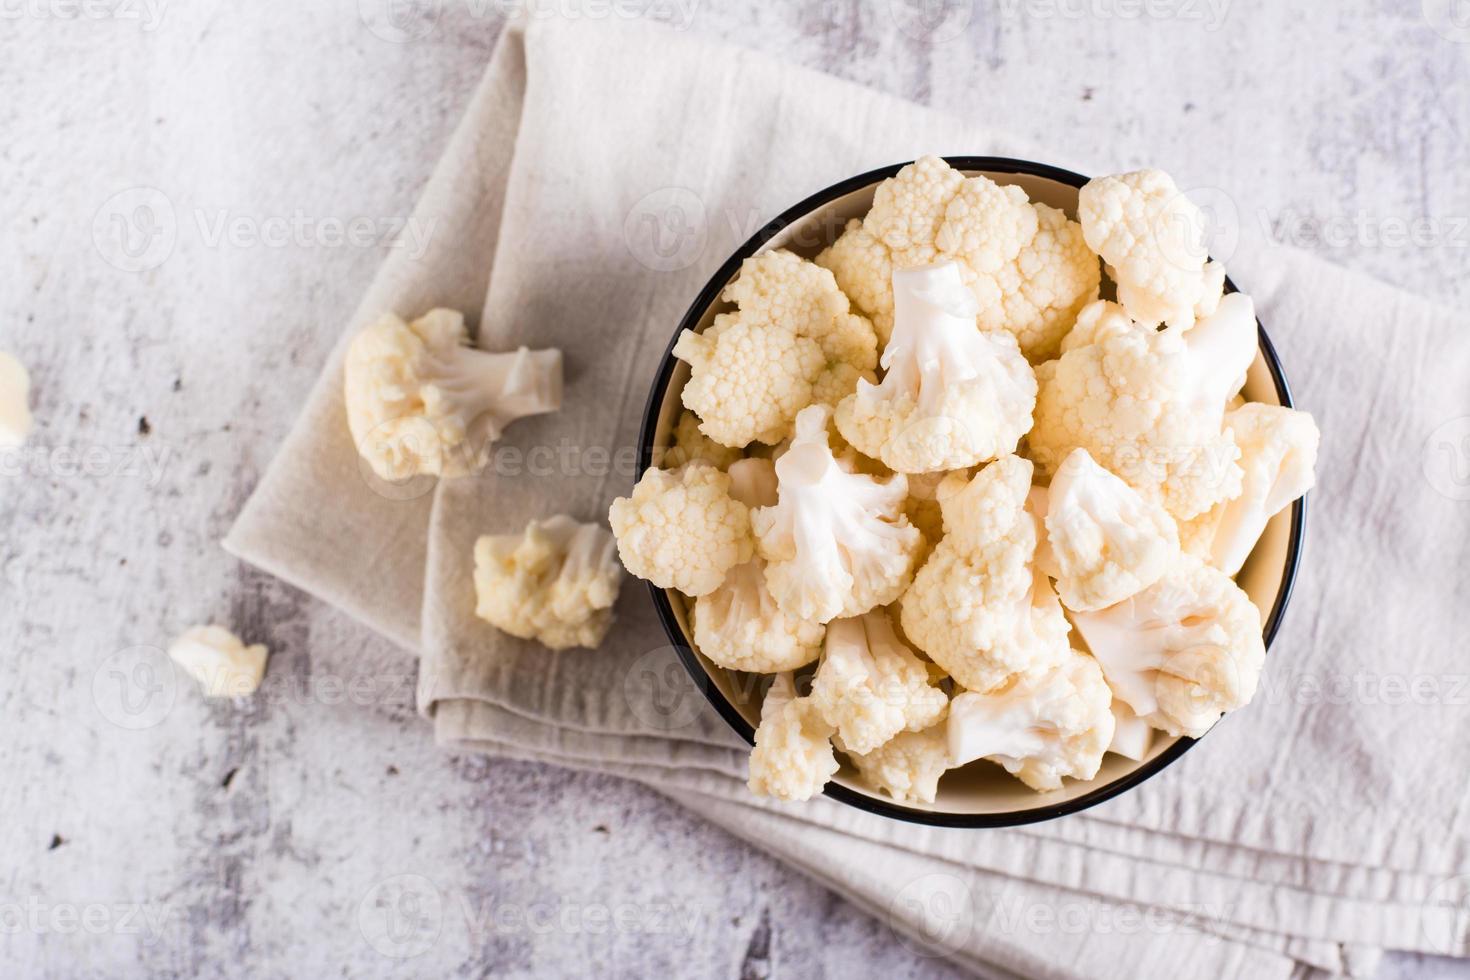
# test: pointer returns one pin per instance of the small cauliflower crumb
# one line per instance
(15, 396)
(681, 529)
(216, 658)
(555, 582)
(793, 757)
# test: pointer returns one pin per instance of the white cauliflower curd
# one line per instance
(978, 608)
(1152, 238)
(1106, 542)
(421, 400)
(681, 529)
(907, 767)
(555, 582)
(1278, 454)
(1042, 726)
(793, 757)
(870, 686)
(739, 625)
(951, 395)
(1182, 652)
(1027, 265)
(793, 340)
(1148, 406)
(837, 542)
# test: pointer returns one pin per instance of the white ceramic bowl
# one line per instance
(980, 794)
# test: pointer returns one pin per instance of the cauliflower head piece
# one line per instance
(952, 396)
(978, 607)
(1107, 542)
(907, 767)
(1042, 726)
(220, 661)
(420, 400)
(792, 341)
(1182, 652)
(837, 543)
(1148, 405)
(870, 686)
(1027, 265)
(681, 529)
(793, 757)
(1278, 455)
(739, 625)
(554, 583)
(1152, 238)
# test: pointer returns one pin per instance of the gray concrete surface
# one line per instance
(265, 838)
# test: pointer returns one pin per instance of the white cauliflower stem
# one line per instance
(555, 583)
(952, 396)
(1183, 651)
(15, 397)
(978, 608)
(1107, 542)
(792, 341)
(837, 542)
(1278, 453)
(793, 757)
(1027, 265)
(1148, 405)
(739, 625)
(1152, 238)
(216, 658)
(1042, 726)
(681, 529)
(421, 400)
(1132, 736)
(870, 686)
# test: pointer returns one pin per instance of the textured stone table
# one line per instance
(286, 143)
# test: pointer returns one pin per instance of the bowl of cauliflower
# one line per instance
(972, 491)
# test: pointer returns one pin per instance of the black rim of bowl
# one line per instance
(872, 804)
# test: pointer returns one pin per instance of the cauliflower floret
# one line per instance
(1149, 406)
(1107, 541)
(1152, 238)
(1183, 651)
(870, 687)
(837, 542)
(15, 398)
(907, 767)
(1132, 736)
(1036, 297)
(739, 625)
(688, 444)
(555, 582)
(977, 608)
(793, 757)
(953, 396)
(223, 665)
(421, 400)
(1042, 726)
(1278, 452)
(681, 529)
(1096, 322)
(792, 341)
(1028, 265)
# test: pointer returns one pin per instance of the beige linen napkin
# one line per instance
(599, 177)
